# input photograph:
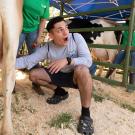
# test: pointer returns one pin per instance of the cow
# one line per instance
(10, 28)
(97, 37)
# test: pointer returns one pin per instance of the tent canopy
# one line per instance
(76, 6)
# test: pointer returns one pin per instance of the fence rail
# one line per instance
(125, 67)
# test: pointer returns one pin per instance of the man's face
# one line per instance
(59, 34)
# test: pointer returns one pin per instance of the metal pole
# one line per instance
(61, 8)
(130, 35)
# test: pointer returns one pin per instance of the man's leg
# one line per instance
(40, 77)
(36, 87)
(85, 87)
(132, 74)
(118, 59)
(30, 39)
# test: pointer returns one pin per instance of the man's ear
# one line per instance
(51, 36)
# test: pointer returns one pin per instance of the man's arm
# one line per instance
(84, 56)
(30, 61)
(43, 20)
(41, 30)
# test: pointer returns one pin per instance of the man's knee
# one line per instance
(32, 75)
(81, 71)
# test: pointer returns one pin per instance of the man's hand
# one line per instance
(57, 65)
(36, 43)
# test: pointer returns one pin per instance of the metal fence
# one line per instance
(125, 67)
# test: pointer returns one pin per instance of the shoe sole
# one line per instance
(85, 133)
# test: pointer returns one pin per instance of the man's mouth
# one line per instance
(66, 39)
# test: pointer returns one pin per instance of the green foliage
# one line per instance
(97, 97)
(62, 120)
(129, 107)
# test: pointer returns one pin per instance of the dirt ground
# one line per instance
(31, 113)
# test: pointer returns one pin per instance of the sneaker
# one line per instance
(55, 99)
(85, 125)
(37, 89)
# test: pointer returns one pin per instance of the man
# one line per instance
(69, 62)
(35, 14)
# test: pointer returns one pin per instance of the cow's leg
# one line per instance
(8, 78)
(100, 71)
(10, 45)
(0, 43)
(0, 49)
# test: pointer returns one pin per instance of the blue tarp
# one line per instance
(76, 6)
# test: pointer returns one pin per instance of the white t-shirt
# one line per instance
(76, 48)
